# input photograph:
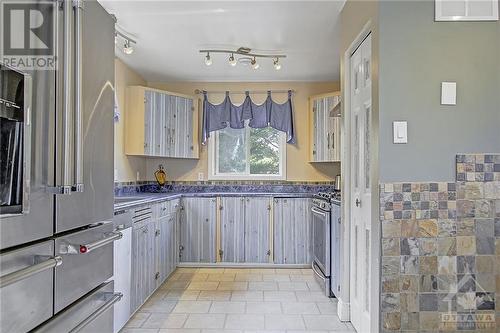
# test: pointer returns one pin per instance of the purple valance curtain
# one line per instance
(269, 113)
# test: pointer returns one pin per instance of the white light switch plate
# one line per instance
(448, 93)
(400, 131)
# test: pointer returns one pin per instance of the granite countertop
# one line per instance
(137, 199)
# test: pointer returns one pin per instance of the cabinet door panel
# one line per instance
(292, 231)
(232, 229)
(159, 133)
(189, 129)
(197, 230)
(149, 100)
(180, 128)
(162, 246)
(257, 230)
(143, 263)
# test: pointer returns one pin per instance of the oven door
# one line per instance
(321, 239)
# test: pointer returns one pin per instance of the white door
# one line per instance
(360, 97)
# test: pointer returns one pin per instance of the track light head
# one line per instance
(277, 64)
(208, 60)
(127, 47)
(232, 60)
(254, 63)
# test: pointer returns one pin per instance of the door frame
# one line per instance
(344, 309)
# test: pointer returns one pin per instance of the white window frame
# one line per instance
(213, 161)
(439, 16)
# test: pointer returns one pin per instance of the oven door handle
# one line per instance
(116, 297)
(316, 272)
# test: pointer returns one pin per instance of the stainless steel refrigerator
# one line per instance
(56, 198)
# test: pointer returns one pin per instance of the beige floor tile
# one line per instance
(284, 322)
(139, 330)
(192, 307)
(205, 321)
(161, 306)
(298, 308)
(233, 286)
(311, 296)
(214, 295)
(182, 295)
(280, 296)
(211, 270)
(327, 307)
(264, 307)
(307, 271)
(266, 331)
(314, 286)
(192, 277)
(206, 285)
(245, 321)
(221, 331)
(248, 277)
(236, 271)
(165, 320)
(267, 285)
(186, 270)
(221, 277)
(138, 319)
(262, 271)
(227, 307)
(247, 296)
(179, 330)
(178, 284)
(276, 277)
(293, 286)
(302, 278)
(324, 322)
(289, 271)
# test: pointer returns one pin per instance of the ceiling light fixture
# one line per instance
(127, 48)
(127, 42)
(232, 61)
(208, 60)
(255, 64)
(245, 53)
(277, 64)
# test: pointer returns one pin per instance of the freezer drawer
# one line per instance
(92, 313)
(26, 287)
(88, 262)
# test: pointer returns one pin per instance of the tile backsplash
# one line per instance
(441, 251)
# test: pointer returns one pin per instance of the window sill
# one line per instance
(246, 177)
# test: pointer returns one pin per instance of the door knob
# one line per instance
(358, 202)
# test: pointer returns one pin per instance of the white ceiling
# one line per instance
(170, 33)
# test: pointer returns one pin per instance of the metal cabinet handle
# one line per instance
(94, 315)
(78, 183)
(328, 140)
(24, 273)
(333, 140)
(86, 248)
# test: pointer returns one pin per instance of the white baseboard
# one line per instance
(343, 310)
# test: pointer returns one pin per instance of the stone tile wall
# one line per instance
(441, 252)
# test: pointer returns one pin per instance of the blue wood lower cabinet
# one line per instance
(257, 228)
(232, 229)
(198, 230)
(292, 231)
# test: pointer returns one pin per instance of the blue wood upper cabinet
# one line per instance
(160, 123)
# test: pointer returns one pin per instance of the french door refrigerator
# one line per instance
(56, 202)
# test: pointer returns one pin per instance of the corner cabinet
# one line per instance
(324, 128)
(160, 124)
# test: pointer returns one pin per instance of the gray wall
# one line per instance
(416, 55)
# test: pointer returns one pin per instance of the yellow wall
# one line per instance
(126, 167)
(298, 167)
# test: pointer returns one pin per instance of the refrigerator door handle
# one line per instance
(89, 247)
(78, 154)
(8, 279)
(116, 297)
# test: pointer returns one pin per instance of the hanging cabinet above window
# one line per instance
(160, 124)
(324, 128)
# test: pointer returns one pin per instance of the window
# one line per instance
(247, 153)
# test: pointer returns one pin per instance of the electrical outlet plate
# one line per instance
(201, 176)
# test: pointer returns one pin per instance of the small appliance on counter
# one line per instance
(326, 240)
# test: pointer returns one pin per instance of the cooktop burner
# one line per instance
(329, 196)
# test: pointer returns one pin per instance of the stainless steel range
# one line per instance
(326, 240)
(56, 176)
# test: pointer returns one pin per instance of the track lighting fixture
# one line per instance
(127, 42)
(208, 60)
(232, 61)
(246, 57)
(277, 65)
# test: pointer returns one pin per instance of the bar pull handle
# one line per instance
(328, 140)
(116, 297)
(24, 273)
(89, 247)
(78, 154)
